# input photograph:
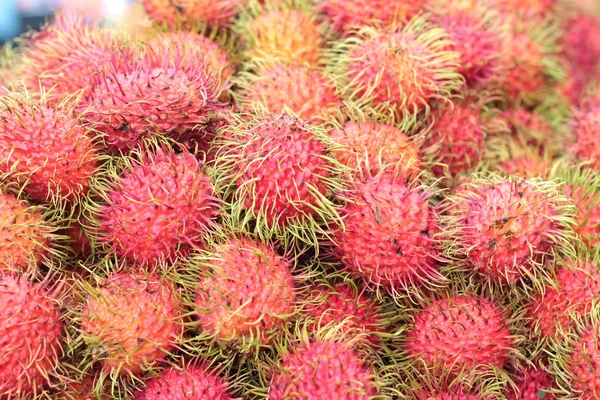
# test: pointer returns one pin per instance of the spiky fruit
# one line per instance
(246, 294)
(577, 285)
(61, 59)
(475, 37)
(272, 32)
(456, 139)
(172, 12)
(345, 305)
(157, 208)
(585, 126)
(192, 45)
(460, 333)
(387, 234)
(526, 166)
(31, 328)
(305, 91)
(448, 395)
(25, 234)
(585, 194)
(525, 8)
(575, 359)
(322, 369)
(532, 383)
(131, 321)
(506, 229)
(78, 389)
(375, 144)
(275, 168)
(47, 149)
(344, 15)
(528, 127)
(398, 71)
(158, 92)
(190, 383)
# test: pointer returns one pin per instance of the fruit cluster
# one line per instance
(303, 199)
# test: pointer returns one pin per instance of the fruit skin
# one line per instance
(587, 209)
(31, 333)
(188, 12)
(459, 333)
(533, 383)
(585, 127)
(190, 383)
(45, 148)
(322, 369)
(131, 321)
(375, 144)
(25, 234)
(345, 14)
(387, 233)
(578, 284)
(157, 91)
(397, 71)
(246, 282)
(304, 91)
(157, 208)
(506, 229)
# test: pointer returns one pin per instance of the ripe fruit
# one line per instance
(305, 91)
(387, 233)
(459, 333)
(188, 12)
(130, 322)
(585, 127)
(190, 383)
(322, 369)
(397, 71)
(30, 344)
(245, 294)
(45, 148)
(532, 383)
(157, 208)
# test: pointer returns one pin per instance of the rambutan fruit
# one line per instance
(585, 127)
(366, 144)
(474, 35)
(506, 229)
(525, 8)
(345, 305)
(532, 383)
(157, 92)
(274, 171)
(155, 205)
(576, 286)
(574, 359)
(344, 15)
(46, 149)
(31, 332)
(186, 12)
(299, 90)
(455, 140)
(245, 293)
(189, 383)
(192, 45)
(529, 127)
(27, 234)
(459, 333)
(288, 32)
(323, 369)
(511, 156)
(398, 71)
(387, 235)
(580, 44)
(130, 322)
(62, 58)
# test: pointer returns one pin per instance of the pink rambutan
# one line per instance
(585, 129)
(506, 229)
(156, 207)
(347, 14)
(583, 189)
(30, 344)
(577, 285)
(245, 294)
(322, 369)
(581, 46)
(398, 71)
(459, 333)
(190, 383)
(47, 149)
(528, 127)
(526, 166)
(532, 383)
(130, 322)
(135, 97)
(305, 91)
(174, 12)
(387, 237)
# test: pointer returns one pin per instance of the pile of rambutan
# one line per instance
(303, 199)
